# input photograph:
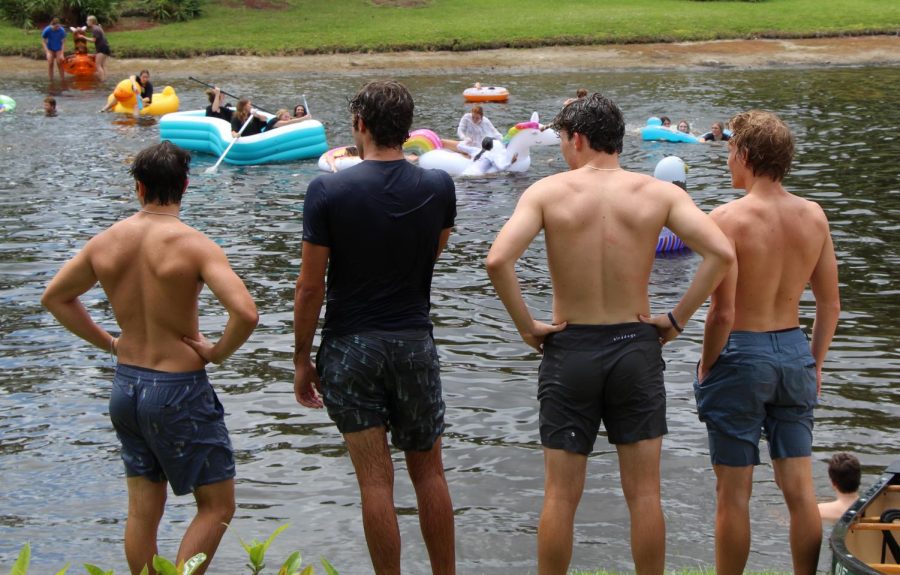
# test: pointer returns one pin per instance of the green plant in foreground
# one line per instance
(256, 551)
(24, 559)
(162, 566)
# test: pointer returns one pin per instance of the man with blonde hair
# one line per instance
(758, 371)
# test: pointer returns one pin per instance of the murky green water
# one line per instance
(64, 179)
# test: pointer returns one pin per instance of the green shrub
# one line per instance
(31, 13)
(172, 10)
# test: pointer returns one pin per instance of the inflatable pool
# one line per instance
(513, 153)
(486, 94)
(671, 169)
(126, 98)
(342, 160)
(655, 131)
(7, 104)
(194, 131)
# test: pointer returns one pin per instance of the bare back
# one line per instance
(150, 268)
(601, 230)
(779, 241)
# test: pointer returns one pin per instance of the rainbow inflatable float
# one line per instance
(7, 104)
(126, 96)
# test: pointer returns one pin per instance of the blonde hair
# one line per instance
(765, 141)
(91, 20)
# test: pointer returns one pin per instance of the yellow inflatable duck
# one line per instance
(126, 96)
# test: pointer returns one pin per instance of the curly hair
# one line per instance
(765, 141)
(386, 108)
(163, 169)
(595, 117)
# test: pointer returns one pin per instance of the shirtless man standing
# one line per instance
(601, 225)
(165, 413)
(758, 370)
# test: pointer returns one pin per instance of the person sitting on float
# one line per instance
(241, 114)
(301, 113)
(473, 128)
(283, 118)
(490, 161)
(142, 79)
(217, 107)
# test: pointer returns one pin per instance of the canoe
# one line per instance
(864, 541)
(193, 130)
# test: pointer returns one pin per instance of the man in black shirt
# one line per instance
(378, 228)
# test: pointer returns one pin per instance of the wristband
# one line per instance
(674, 323)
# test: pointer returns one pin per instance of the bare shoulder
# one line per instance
(547, 188)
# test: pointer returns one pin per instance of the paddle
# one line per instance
(305, 105)
(212, 169)
(226, 93)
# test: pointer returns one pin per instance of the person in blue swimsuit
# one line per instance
(53, 39)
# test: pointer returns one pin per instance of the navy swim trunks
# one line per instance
(384, 379)
(761, 382)
(171, 426)
(601, 373)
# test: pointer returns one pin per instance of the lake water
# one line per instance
(64, 179)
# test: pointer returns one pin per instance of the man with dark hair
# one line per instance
(602, 353)
(164, 410)
(758, 371)
(378, 228)
(845, 474)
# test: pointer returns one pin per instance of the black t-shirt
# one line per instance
(224, 113)
(382, 222)
(255, 127)
(146, 89)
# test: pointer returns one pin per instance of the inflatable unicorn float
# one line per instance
(512, 154)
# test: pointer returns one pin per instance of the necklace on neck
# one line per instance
(176, 216)
(602, 169)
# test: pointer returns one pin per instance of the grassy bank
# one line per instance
(294, 27)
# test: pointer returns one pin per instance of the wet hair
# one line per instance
(595, 117)
(487, 144)
(665, 120)
(844, 471)
(765, 143)
(581, 93)
(386, 108)
(351, 151)
(50, 100)
(163, 169)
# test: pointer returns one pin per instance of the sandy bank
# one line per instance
(724, 54)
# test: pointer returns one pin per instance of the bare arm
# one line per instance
(308, 297)
(231, 292)
(719, 321)
(442, 241)
(61, 299)
(824, 283)
(512, 241)
(215, 103)
(703, 236)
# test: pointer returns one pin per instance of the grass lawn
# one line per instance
(293, 27)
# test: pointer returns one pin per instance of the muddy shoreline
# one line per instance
(721, 54)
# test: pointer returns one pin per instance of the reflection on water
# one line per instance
(63, 179)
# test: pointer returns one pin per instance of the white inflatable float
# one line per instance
(513, 154)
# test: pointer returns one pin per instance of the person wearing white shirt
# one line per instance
(473, 128)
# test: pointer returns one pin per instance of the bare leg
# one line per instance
(563, 485)
(60, 59)
(146, 503)
(100, 60)
(50, 62)
(215, 508)
(375, 473)
(734, 486)
(639, 468)
(426, 470)
(794, 477)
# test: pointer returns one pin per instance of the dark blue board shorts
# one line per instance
(761, 382)
(601, 373)
(171, 426)
(384, 379)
